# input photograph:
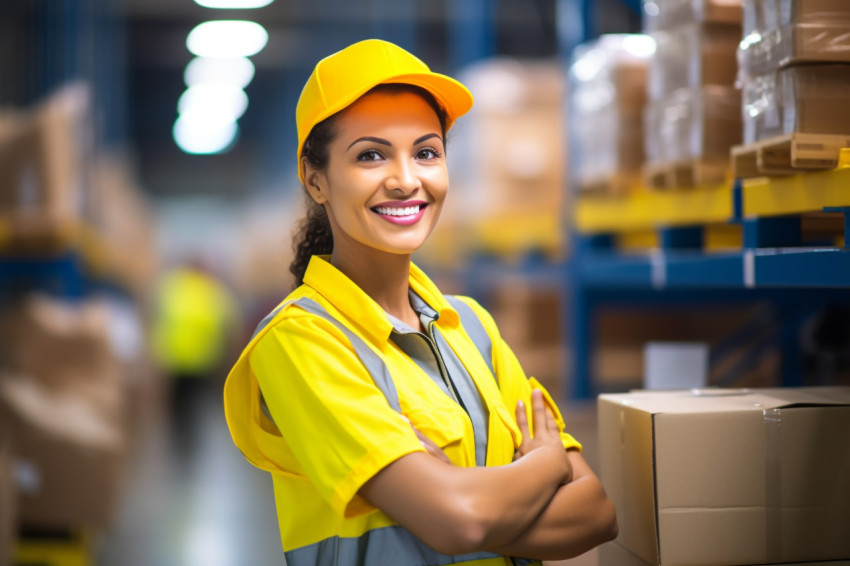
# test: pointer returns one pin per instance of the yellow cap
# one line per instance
(340, 79)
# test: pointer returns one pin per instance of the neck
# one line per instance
(383, 276)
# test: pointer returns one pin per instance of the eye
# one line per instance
(428, 153)
(369, 155)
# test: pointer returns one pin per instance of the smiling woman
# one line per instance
(398, 426)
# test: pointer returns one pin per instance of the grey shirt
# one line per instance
(433, 354)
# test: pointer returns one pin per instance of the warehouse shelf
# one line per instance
(651, 209)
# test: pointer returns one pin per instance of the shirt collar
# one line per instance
(362, 310)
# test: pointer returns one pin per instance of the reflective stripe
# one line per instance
(475, 330)
(387, 545)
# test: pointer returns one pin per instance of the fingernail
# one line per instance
(521, 404)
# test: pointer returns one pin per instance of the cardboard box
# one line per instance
(693, 56)
(8, 518)
(729, 476)
(667, 14)
(827, 42)
(693, 124)
(809, 99)
(614, 554)
(64, 345)
(68, 457)
(43, 153)
(607, 100)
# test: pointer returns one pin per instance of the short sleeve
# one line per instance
(513, 382)
(337, 423)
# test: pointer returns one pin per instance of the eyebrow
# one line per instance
(382, 141)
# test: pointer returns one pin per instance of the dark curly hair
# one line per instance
(313, 234)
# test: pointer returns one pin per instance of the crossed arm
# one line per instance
(547, 504)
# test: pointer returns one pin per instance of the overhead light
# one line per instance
(227, 38)
(227, 102)
(233, 4)
(236, 71)
(204, 137)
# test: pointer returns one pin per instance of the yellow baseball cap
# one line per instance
(340, 79)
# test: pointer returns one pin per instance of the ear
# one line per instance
(314, 181)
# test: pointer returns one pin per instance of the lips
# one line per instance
(401, 213)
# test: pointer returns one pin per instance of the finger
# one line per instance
(538, 411)
(432, 448)
(551, 423)
(522, 420)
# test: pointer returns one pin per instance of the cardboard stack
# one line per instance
(43, 154)
(62, 408)
(691, 121)
(508, 159)
(795, 68)
(607, 99)
(529, 317)
(728, 476)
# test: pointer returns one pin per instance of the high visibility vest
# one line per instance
(322, 520)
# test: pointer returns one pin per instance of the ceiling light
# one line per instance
(236, 71)
(225, 101)
(227, 38)
(204, 137)
(233, 4)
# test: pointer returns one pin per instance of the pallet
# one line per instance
(617, 184)
(788, 155)
(683, 174)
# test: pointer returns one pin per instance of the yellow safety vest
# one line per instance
(334, 384)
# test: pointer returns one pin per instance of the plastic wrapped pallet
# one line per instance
(608, 97)
(692, 56)
(780, 33)
(666, 14)
(694, 124)
(809, 99)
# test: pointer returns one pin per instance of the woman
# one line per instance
(383, 409)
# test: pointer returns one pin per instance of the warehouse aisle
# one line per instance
(205, 507)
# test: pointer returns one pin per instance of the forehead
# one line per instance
(387, 110)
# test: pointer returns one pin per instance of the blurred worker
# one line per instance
(396, 423)
(194, 321)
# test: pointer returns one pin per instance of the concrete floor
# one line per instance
(194, 501)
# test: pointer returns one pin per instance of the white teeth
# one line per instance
(406, 211)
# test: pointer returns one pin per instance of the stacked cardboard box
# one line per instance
(508, 158)
(43, 153)
(691, 117)
(729, 476)
(795, 68)
(607, 99)
(529, 317)
(62, 407)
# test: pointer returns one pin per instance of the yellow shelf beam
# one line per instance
(652, 209)
(808, 192)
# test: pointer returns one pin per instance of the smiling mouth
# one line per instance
(400, 211)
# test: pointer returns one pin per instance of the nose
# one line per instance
(403, 177)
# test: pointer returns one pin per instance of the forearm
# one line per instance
(579, 517)
(458, 510)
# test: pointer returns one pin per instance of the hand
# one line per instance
(429, 445)
(546, 433)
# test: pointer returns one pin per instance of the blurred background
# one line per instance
(148, 193)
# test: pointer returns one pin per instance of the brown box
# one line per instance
(42, 158)
(810, 99)
(667, 14)
(614, 554)
(65, 346)
(729, 476)
(68, 456)
(693, 56)
(607, 100)
(795, 44)
(693, 124)
(8, 518)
